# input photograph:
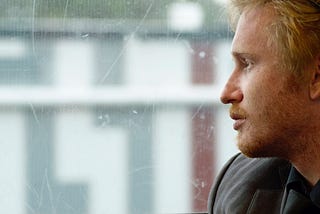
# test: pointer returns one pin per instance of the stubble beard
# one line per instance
(279, 138)
(269, 138)
(261, 147)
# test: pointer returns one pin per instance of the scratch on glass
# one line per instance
(65, 12)
(196, 185)
(49, 190)
(188, 46)
(37, 195)
(33, 26)
(30, 209)
(139, 169)
(197, 112)
(34, 113)
(126, 44)
(177, 37)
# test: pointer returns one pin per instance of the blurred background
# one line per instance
(112, 106)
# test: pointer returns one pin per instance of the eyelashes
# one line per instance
(246, 64)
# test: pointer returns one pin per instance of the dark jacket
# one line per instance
(252, 185)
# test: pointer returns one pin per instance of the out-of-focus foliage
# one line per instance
(107, 9)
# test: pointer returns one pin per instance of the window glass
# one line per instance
(112, 106)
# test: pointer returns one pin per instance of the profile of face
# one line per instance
(267, 108)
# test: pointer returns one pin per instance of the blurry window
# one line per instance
(111, 106)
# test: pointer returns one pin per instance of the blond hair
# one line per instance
(295, 30)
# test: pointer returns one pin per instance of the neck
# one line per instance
(307, 161)
(309, 174)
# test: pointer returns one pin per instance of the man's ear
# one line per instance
(315, 81)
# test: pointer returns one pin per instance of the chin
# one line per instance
(259, 149)
(253, 153)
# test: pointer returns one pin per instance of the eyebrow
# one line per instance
(242, 55)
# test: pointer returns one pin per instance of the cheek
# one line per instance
(255, 93)
(262, 91)
(264, 103)
(273, 107)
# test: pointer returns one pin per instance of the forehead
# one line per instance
(252, 31)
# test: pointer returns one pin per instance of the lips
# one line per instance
(239, 118)
(238, 123)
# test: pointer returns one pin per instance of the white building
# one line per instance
(96, 119)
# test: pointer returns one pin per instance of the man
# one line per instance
(274, 92)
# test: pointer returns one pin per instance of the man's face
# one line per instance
(267, 102)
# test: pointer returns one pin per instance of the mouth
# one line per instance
(238, 120)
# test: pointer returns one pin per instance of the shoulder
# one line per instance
(242, 176)
(242, 165)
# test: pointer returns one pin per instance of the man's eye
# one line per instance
(246, 62)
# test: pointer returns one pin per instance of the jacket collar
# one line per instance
(271, 198)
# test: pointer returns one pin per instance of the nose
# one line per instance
(232, 92)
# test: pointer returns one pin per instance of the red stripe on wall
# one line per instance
(202, 63)
(202, 129)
